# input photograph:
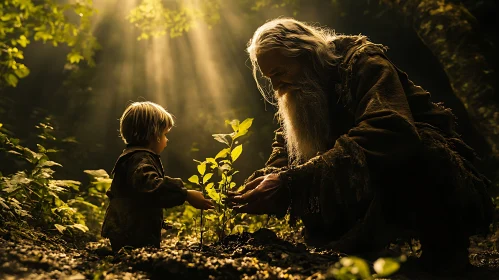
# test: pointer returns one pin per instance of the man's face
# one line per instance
(302, 104)
(284, 72)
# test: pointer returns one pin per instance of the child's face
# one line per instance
(158, 145)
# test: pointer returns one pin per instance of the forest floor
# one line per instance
(27, 254)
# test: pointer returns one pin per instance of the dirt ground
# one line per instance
(260, 255)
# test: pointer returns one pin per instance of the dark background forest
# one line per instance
(203, 77)
(68, 69)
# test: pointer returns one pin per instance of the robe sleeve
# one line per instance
(164, 192)
(383, 135)
(279, 156)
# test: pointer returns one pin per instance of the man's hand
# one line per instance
(262, 195)
(197, 200)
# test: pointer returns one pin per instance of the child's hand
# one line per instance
(196, 199)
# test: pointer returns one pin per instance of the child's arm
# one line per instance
(161, 191)
(197, 200)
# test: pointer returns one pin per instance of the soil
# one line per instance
(34, 254)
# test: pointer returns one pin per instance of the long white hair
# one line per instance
(304, 111)
(294, 38)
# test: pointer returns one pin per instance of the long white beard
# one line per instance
(304, 115)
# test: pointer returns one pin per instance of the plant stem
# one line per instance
(201, 239)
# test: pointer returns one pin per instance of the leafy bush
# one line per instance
(24, 20)
(33, 195)
(215, 178)
(154, 18)
(92, 200)
(223, 218)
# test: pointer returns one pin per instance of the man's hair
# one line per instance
(293, 38)
(143, 121)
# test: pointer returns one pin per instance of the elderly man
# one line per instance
(362, 154)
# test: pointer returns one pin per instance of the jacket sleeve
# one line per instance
(161, 191)
(383, 134)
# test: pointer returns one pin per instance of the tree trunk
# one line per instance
(450, 31)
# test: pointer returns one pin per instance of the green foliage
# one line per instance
(215, 177)
(24, 21)
(92, 200)
(183, 219)
(32, 196)
(153, 19)
(349, 268)
(220, 168)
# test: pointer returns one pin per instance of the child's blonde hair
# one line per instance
(143, 122)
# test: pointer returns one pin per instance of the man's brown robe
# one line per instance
(138, 194)
(392, 148)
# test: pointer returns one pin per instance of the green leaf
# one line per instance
(23, 41)
(6, 17)
(70, 139)
(16, 181)
(212, 193)
(31, 156)
(60, 228)
(41, 149)
(80, 227)
(207, 177)
(222, 138)
(14, 153)
(360, 265)
(64, 208)
(210, 217)
(243, 128)
(202, 168)
(75, 185)
(50, 163)
(223, 153)
(81, 201)
(236, 152)
(385, 266)
(194, 179)
(234, 124)
(238, 229)
(213, 162)
(96, 173)
(74, 57)
(40, 35)
(209, 185)
(22, 71)
(11, 79)
(2, 203)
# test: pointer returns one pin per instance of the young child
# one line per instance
(140, 189)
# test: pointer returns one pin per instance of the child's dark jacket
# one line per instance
(139, 192)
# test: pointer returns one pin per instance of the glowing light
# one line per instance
(200, 77)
